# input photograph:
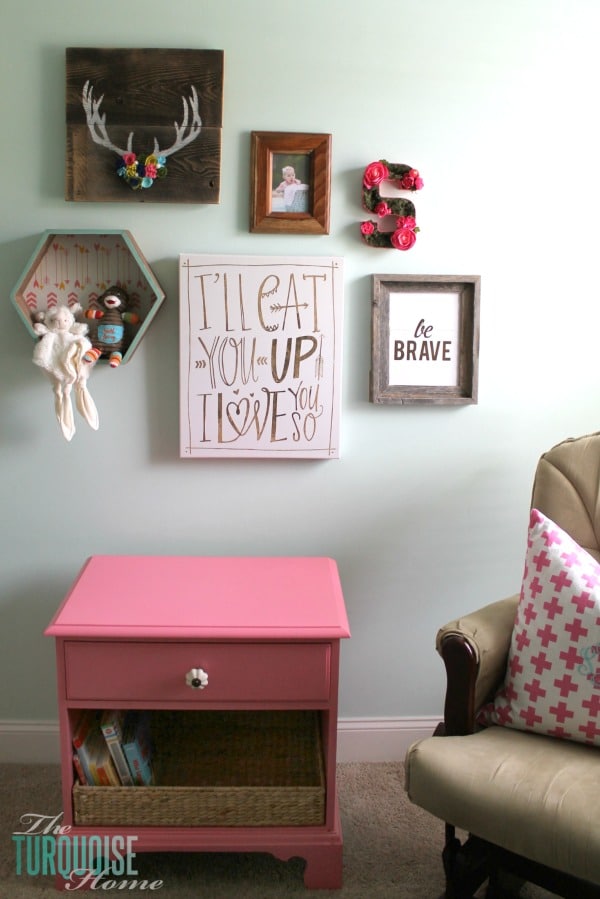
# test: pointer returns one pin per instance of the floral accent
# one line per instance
(411, 181)
(407, 221)
(405, 177)
(375, 173)
(140, 174)
(402, 238)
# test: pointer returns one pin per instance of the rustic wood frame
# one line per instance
(266, 144)
(466, 388)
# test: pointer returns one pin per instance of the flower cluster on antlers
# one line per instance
(404, 235)
(141, 172)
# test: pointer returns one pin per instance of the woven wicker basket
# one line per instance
(222, 769)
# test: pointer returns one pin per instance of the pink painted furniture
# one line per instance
(264, 632)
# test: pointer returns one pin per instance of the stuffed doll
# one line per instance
(110, 337)
(60, 354)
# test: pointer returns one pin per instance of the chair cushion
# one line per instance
(534, 795)
(552, 681)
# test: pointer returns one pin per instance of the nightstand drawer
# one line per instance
(105, 671)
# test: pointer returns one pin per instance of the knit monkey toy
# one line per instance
(110, 337)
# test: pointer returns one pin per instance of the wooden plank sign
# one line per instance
(143, 125)
(260, 340)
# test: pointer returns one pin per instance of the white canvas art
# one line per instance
(260, 353)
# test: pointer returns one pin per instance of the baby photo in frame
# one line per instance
(290, 182)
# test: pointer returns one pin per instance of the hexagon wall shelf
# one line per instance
(70, 267)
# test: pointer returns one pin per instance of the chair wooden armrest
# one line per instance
(474, 649)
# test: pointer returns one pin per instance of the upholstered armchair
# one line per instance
(514, 770)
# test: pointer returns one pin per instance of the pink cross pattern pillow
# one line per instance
(552, 682)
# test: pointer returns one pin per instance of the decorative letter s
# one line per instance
(404, 235)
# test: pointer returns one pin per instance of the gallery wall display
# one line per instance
(425, 339)
(143, 125)
(290, 182)
(260, 356)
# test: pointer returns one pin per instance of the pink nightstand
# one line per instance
(185, 634)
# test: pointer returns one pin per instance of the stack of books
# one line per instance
(113, 748)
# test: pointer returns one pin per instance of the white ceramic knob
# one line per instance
(197, 679)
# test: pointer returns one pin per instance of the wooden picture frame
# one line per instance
(425, 339)
(302, 205)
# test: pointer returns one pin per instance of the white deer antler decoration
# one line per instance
(195, 127)
(136, 172)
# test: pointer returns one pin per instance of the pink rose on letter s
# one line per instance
(411, 180)
(403, 238)
(375, 173)
(406, 221)
(367, 228)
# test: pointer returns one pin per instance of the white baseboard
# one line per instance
(380, 739)
(29, 742)
(359, 739)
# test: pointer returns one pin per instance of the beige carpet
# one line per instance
(391, 848)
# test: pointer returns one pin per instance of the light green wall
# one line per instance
(496, 104)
